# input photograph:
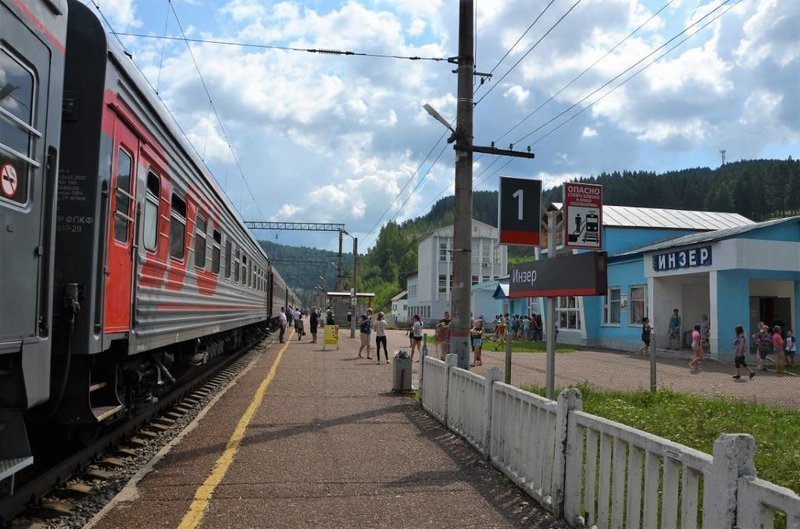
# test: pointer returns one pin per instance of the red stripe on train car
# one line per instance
(35, 22)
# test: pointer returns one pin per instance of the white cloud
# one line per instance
(519, 93)
(589, 132)
(121, 13)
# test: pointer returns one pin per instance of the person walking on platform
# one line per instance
(380, 338)
(282, 323)
(443, 336)
(298, 325)
(697, 350)
(763, 342)
(313, 322)
(777, 348)
(476, 339)
(647, 330)
(791, 347)
(365, 332)
(416, 334)
(674, 331)
(740, 346)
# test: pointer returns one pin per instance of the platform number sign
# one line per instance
(518, 210)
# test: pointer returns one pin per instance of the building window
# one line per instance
(151, 201)
(476, 280)
(443, 251)
(486, 252)
(200, 227)
(638, 301)
(612, 306)
(567, 313)
(442, 284)
(177, 228)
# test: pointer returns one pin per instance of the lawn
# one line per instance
(696, 421)
(518, 346)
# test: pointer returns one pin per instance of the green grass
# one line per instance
(518, 346)
(697, 421)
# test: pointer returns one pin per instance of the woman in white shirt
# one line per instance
(380, 337)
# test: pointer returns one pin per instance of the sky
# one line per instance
(306, 137)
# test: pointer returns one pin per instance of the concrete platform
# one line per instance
(329, 446)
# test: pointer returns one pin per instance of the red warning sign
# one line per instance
(8, 180)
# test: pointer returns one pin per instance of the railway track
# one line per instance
(64, 493)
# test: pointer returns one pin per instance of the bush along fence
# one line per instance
(594, 472)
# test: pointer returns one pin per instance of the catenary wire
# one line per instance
(584, 72)
(321, 51)
(561, 18)
(629, 68)
(584, 109)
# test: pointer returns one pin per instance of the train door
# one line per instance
(26, 187)
(119, 277)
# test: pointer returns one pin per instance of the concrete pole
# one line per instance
(354, 297)
(462, 222)
(551, 310)
(653, 381)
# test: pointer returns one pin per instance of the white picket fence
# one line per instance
(598, 473)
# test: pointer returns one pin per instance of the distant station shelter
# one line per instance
(340, 302)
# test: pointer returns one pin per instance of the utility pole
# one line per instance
(462, 222)
(339, 265)
(354, 297)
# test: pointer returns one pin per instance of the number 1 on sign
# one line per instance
(519, 206)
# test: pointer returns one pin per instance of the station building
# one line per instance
(735, 271)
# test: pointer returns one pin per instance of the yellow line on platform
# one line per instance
(202, 495)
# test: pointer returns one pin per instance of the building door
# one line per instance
(119, 277)
(772, 311)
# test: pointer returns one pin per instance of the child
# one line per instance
(646, 331)
(739, 345)
(790, 344)
(777, 348)
(697, 348)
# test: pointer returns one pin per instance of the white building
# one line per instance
(429, 289)
(400, 309)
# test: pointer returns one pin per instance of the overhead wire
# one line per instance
(535, 44)
(629, 68)
(216, 113)
(584, 72)
(320, 51)
(584, 109)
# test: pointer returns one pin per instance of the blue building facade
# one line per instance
(740, 275)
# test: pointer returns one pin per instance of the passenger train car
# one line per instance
(122, 264)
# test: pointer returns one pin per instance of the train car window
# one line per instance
(177, 228)
(215, 257)
(17, 87)
(244, 270)
(124, 199)
(151, 201)
(236, 266)
(200, 227)
(228, 253)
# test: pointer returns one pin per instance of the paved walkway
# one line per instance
(626, 372)
(328, 446)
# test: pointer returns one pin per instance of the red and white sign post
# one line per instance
(583, 216)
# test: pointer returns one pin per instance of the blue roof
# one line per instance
(709, 236)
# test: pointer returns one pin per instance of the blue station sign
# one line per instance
(678, 259)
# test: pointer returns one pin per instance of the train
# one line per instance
(123, 266)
